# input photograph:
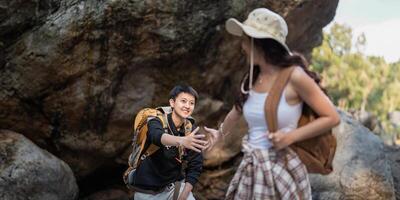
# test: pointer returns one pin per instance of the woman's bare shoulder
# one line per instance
(298, 75)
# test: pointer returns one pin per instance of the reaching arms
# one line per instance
(191, 141)
(229, 122)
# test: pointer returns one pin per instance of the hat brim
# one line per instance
(237, 28)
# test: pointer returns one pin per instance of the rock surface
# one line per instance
(393, 154)
(362, 170)
(28, 172)
(76, 72)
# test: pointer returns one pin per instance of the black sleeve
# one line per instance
(194, 165)
(156, 130)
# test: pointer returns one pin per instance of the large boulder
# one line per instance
(361, 167)
(393, 153)
(73, 83)
(29, 172)
(18, 17)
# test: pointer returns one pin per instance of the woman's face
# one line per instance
(246, 50)
(246, 45)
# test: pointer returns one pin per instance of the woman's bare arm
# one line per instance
(229, 122)
(314, 97)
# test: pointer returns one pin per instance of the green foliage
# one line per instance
(339, 39)
(356, 81)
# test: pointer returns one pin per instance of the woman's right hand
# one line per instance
(215, 135)
(195, 142)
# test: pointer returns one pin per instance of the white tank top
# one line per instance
(253, 111)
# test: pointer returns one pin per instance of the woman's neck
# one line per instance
(178, 121)
(267, 69)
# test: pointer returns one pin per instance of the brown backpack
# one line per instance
(140, 131)
(316, 153)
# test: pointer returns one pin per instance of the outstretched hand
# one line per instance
(215, 135)
(195, 141)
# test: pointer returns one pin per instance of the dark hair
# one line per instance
(277, 55)
(183, 88)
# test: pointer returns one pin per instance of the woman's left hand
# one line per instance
(280, 139)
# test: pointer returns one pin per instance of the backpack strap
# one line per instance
(188, 126)
(177, 190)
(188, 129)
(165, 109)
(152, 147)
(273, 98)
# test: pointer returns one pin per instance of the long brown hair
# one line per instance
(277, 55)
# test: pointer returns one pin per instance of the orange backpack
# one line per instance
(140, 131)
(316, 153)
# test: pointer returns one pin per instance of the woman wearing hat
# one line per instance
(263, 173)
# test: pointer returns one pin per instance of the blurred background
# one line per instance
(359, 61)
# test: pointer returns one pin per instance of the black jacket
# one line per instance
(162, 167)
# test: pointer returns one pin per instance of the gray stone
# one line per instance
(361, 167)
(17, 17)
(393, 153)
(28, 172)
